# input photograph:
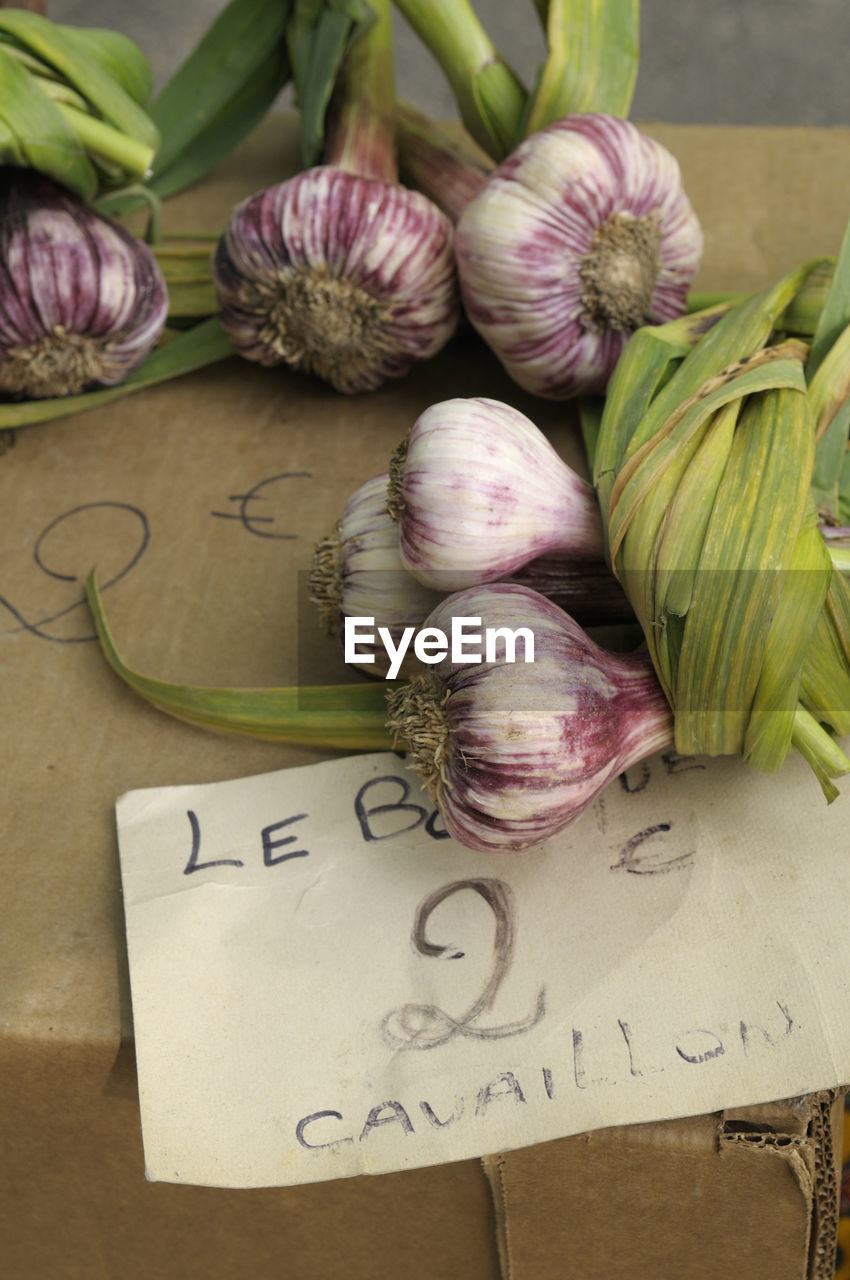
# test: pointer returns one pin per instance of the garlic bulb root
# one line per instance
(357, 572)
(326, 581)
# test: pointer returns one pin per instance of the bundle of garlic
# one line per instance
(719, 436)
(358, 574)
(514, 751)
(340, 271)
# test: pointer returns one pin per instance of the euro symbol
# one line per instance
(250, 521)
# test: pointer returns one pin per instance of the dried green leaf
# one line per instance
(339, 717)
(202, 345)
(747, 553)
(220, 68)
(835, 313)
(649, 360)
(804, 588)
(592, 60)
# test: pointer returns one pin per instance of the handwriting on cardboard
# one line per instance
(115, 535)
(325, 984)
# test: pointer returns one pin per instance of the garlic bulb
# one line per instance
(513, 752)
(81, 300)
(478, 491)
(357, 572)
(346, 277)
(582, 235)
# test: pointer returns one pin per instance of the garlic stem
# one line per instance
(110, 205)
(436, 163)
(585, 589)
(591, 62)
(360, 133)
(489, 95)
(101, 139)
(348, 717)
(821, 752)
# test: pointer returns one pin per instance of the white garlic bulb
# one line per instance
(582, 235)
(478, 491)
(357, 573)
(515, 751)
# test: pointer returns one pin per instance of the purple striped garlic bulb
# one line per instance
(478, 491)
(582, 235)
(514, 752)
(82, 301)
(346, 277)
(357, 572)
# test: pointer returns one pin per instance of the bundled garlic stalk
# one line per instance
(714, 432)
(513, 751)
(81, 300)
(73, 104)
(590, 64)
(478, 492)
(579, 237)
(340, 271)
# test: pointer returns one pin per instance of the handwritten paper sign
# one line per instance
(325, 984)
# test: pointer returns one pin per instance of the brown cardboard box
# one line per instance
(750, 1192)
(200, 502)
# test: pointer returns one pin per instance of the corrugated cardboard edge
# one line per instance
(803, 1132)
(806, 1133)
(493, 1171)
(828, 1123)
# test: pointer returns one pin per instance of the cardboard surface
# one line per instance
(599, 1200)
(159, 491)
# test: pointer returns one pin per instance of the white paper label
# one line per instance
(324, 984)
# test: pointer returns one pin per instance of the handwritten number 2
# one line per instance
(128, 521)
(425, 1026)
